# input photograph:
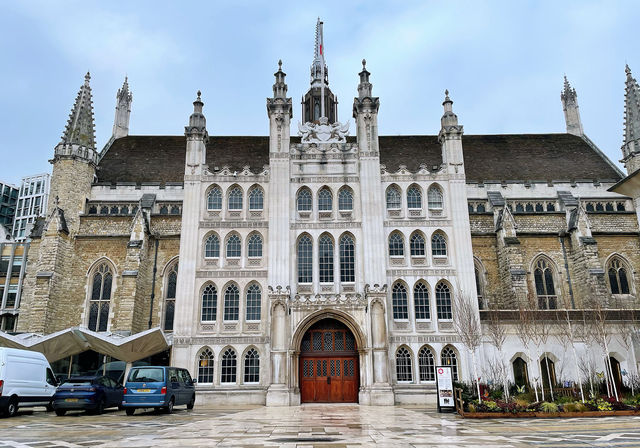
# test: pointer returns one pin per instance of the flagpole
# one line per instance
(322, 113)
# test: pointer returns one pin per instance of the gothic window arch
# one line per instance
(417, 245)
(399, 301)
(212, 246)
(414, 197)
(214, 199)
(448, 357)
(435, 198)
(480, 282)
(304, 201)
(443, 301)
(618, 274)
(421, 301)
(394, 198)
(235, 198)
(100, 298)
(170, 297)
(254, 246)
(206, 362)
(427, 364)
(347, 258)
(438, 245)
(404, 365)
(234, 246)
(209, 303)
(231, 303)
(325, 200)
(254, 302)
(256, 198)
(345, 199)
(228, 365)
(305, 259)
(325, 259)
(396, 245)
(543, 277)
(251, 366)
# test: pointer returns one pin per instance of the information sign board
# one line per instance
(444, 387)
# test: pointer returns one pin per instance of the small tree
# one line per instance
(497, 333)
(525, 329)
(466, 322)
(567, 337)
(599, 325)
(628, 329)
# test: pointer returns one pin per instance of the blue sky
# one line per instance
(502, 61)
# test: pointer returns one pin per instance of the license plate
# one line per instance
(71, 400)
(144, 390)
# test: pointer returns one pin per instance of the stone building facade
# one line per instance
(275, 265)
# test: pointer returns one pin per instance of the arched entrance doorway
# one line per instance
(329, 371)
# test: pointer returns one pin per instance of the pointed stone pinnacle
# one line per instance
(364, 64)
(199, 95)
(279, 64)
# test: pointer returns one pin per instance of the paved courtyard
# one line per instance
(309, 426)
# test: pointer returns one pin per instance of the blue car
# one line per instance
(159, 388)
(87, 393)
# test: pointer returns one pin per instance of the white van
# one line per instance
(26, 379)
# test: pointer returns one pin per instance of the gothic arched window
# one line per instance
(304, 202)
(305, 260)
(404, 371)
(426, 363)
(325, 200)
(545, 289)
(209, 306)
(417, 246)
(254, 302)
(347, 259)
(255, 245)
(212, 246)
(205, 366)
(399, 301)
(396, 245)
(214, 199)
(393, 198)
(234, 247)
(345, 199)
(170, 298)
(421, 301)
(228, 366)
(100, 298)
(256, 198)
(435, 198)
(438, 245)
(252, 366)
(618, 277)
(443, 301)
(414, 197)
(235, 199)
(325, 259)
(448, 358)
(231, 303)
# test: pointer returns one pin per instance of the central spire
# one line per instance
(319, 71)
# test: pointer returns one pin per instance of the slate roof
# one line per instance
(509, 157)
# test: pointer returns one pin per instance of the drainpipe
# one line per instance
(561, 236)
(153, 283)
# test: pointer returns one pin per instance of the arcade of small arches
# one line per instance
(233, 247)
(407, 364)
(235, 198)
(418, 249)
(228, 364)
(402, 297)
(413, 201)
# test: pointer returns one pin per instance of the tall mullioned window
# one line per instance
(448, 358)
(396, 245)
(393, 198)
(235, 199)
(438, 245)
(212, 246)
(228, 366)
(404, 372)
(256, 198)
(421, 301)
(347, 259)
(254, 302)
(170, 298)
(252, 366)
(426, 363)
(304, 202)
(205, 367)
(214, 199)
(414, 198)
(100, 298)
(545, 289)
(417, 245)
(325, 259)
(209, 307)
(399, 301)
(435, 198)
(234, 247)
(618, 277)
(345, 199)
(443, 301)
(231, 302)
(255, 246)
(325, 200)
(305, 260)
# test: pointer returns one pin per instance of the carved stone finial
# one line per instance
(364, 64)
(199, 95)
(279, 64)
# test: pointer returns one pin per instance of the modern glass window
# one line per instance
(545, 289)
(448, 358)
(325, 259)
(231, 302)
(209, 306)
(252, 366)
(435, 198)
(396, 245)
(347, 259)
(254, 302)
(618, 277)
(228, 366)
(304, 202)
(421, 301)
(414, 198)
(399, 301)
(345, 199)
(404, 371)
(235, 198)
(255, 245)
(234, 247)
(417, 245)
(443, 301)
(212, 246)
(438, 245)
(393, 198)
(325, 200)
(170, 298)
(100, 298)
(305, 260)
(426, 363)
(214, 199)
(205, 367)
(256, 198)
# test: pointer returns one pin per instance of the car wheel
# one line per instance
(12, 407)
(191, 403)
(50, 407)
(169, 408)
(60, 412)
(130, 411)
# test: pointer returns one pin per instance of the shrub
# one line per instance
(580, 407)
(472, 407)
(548, 407)
(521, 402)
(570, 407)
(529, 396)
(496, 394)
(492, 406)
(564, 399)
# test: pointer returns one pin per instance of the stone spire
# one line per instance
(197, 122)
(279, 102)
(123, 111)
(364, 88)
(449, 120)
(79, 139)
(450, 137)
(569, 99)
(319, 68)
(365, 102)
(631, 142)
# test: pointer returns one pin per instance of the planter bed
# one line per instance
(547, 414)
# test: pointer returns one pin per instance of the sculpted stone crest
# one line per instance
(323, 132)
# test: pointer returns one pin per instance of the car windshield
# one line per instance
(148, 375)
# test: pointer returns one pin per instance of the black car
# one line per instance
(87, 393)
